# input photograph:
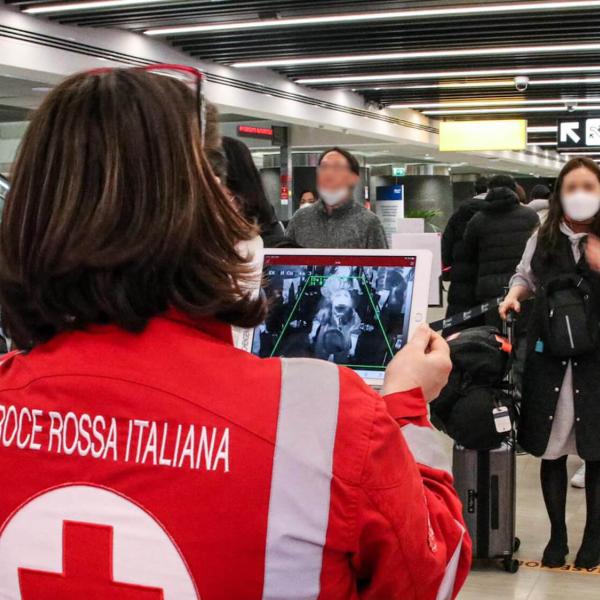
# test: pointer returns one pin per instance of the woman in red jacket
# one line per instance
(141, 455)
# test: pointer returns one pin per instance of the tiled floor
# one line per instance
(488, 582)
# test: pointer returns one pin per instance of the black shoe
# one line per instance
(555, 555)
(588, 556)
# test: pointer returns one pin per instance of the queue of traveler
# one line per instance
(126, 413)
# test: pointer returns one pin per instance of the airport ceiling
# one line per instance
(450, 59)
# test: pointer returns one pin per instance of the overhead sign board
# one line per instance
(578, 133)
(265, 133)
(474, 136)
(398, 171)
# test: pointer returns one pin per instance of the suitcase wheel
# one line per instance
(510, 565)
(517, 544)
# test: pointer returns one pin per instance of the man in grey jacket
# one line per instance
(336, 220)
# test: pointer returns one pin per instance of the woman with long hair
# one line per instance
(128, 416)
(561, 381)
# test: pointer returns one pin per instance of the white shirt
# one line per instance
(524, 275)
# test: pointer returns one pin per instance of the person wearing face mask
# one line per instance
(561, 382)
(336, 220)
(307, 198)
(127, 414)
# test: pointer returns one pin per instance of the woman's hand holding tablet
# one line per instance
(423, 363)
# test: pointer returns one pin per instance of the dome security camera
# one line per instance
(521, 83)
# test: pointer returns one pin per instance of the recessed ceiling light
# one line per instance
(508, 102)
(443, 54)
(45, 9)
(515, 109)
(541, 143)
(325, 19)
(448, 74)
(503, 83)
(571, 80)
(570, 153)
(542, 129)
(444, 85)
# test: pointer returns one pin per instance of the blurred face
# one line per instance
(334, 173)
(580, 195)
(580, 180)
(307, 198)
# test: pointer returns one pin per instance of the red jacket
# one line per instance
(169, 465)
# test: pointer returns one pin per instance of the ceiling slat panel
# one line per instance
(445, 34)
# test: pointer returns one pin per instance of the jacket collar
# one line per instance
(574, 238)
(340, 210)
(208, 325)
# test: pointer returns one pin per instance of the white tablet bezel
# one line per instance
(433, 243)
(243, 338)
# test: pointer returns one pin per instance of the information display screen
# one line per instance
(350, 310)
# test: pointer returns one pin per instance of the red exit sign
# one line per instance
(255, 132)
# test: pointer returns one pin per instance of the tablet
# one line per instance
(356, 308)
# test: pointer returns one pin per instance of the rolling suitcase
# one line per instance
(486, 484)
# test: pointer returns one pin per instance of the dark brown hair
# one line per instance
(245, 183)
(114, 215)
(549, 233)
(352, 162)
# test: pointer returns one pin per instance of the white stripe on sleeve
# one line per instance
(425, 447)
(301, 480)
(447, 586)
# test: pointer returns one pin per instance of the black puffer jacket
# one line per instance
(495, 239)
(463, 272)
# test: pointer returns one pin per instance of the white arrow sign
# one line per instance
(568, 131)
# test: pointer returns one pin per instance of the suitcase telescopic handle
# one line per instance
(508, 325)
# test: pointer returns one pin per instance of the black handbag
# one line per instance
(570, 323)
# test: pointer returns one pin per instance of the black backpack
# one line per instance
(480, 353)
(464, 409)
(471, 422)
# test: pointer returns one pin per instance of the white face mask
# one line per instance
(333, 197)
(581, 206)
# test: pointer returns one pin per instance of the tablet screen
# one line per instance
(351, 310)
